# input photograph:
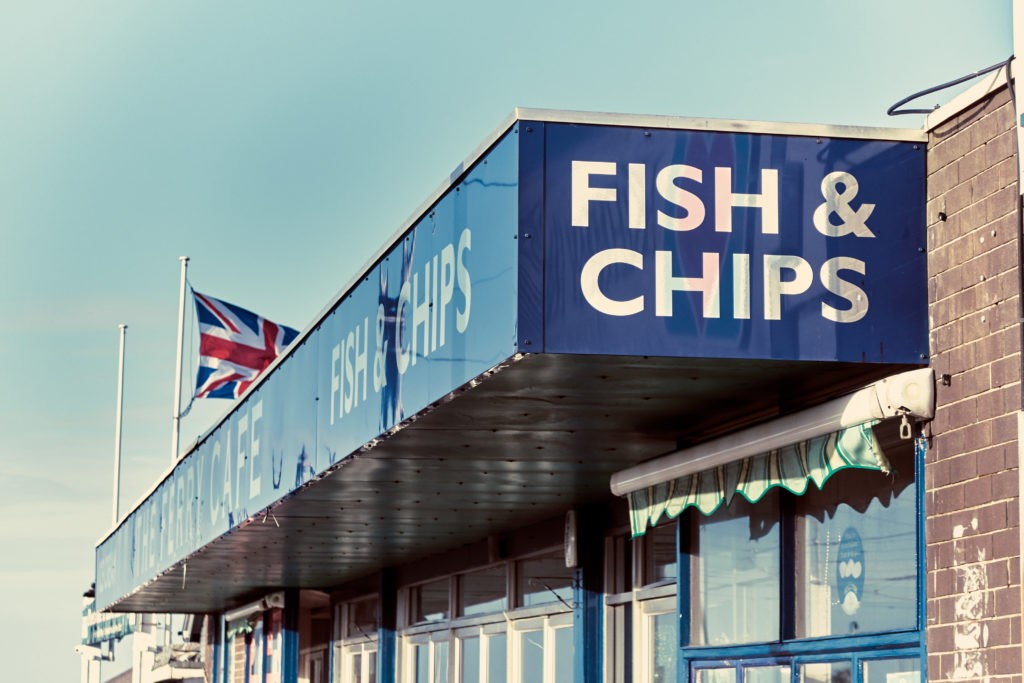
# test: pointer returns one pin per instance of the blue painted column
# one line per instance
(290, 637)
(387, 626)
(218, 665)
(588, 596)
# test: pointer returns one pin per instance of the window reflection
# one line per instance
(531, 657)
(664, 636)
(661, 553)
(856, 562)
(735, 594)
(483, 592)
(826, 672)
(430, 601)
(469, 660)
(901, 670)
(543, 580)
(496, 648)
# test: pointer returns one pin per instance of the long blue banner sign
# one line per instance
(565, 238)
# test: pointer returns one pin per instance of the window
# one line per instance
(855, 562)
(543, 580)
(735, 588)
(483, 591)
(506, 623)
(642, 611)
(840, 565)
(543, 649)
(355, 641)
(430, 602)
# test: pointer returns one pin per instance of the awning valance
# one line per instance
(793, 468)
(789, 451)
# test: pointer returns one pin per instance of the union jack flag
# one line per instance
(235, 346)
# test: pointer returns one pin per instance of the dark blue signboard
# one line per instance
(568, 238)
(434, 312)
(733, 245)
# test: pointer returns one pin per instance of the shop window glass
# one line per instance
(255, 646)
(362, 619)
(856, 559)
(469, 660)
(826, 672)
(357, 668)
(901, 670)
(273, 637)
(543, 580)
(766, 674)
(441, 662)
(483, 592)
(531, 657)
(563, 654)
(661, 556)
(430, 602)
(665, 634)
(496, 658)
(735, 593)
(724, 675)
(421, 659)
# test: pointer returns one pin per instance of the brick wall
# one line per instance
(971, 479)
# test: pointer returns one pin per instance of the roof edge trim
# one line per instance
(724, 125)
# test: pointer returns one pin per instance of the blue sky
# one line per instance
(279, 145)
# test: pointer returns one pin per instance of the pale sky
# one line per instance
(279, 145)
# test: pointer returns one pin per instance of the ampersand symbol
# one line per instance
(838, 202)
(380, 377)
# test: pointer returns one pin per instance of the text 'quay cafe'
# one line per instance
(627, 399)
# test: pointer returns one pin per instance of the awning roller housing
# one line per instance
(908, 394)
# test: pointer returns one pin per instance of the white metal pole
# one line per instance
(177, 368)
(117, 424)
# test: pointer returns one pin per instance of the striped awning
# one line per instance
(793, 468)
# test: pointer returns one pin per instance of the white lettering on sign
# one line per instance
(781, 275)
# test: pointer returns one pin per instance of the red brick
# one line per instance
(974, 381)
(943, 583)
(941, 638)
(948, 150)
(1004, 484)
(1004, 660)
(1004, 429)
(991, 460)
(1000, 147)
(991, 517)
(948, 443)
(972, 549)
(949, 499)
(962, 468)
(1002, 203)
(938, 528)
(971, 164)
(998, 574)
(942, 181)
(1006, 544)
(978, 491)
(958, 199)
(940, 555)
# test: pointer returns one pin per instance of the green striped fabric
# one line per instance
(793, 468)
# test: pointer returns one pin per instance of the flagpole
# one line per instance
(117, 424)
(177, 369)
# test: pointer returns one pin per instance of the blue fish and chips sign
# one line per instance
(602, 235)
(716, 245)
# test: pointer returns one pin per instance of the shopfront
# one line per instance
(428, 487)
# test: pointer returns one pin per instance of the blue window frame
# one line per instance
(773, 592)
